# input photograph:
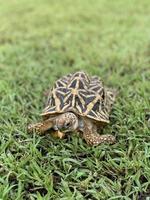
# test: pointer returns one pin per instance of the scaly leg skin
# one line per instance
(40, 127)
(93, 138)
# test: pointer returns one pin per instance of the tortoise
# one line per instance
(78, 102)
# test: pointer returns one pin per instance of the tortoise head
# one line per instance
(66, 122)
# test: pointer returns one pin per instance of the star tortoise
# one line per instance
(78, 102)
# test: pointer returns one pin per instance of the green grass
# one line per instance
(39, 42)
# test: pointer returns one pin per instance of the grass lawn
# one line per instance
(39, 42)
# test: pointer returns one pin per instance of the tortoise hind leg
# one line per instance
(93, 138)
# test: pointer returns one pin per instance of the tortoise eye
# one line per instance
(67, 124)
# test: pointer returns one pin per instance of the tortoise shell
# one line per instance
(81, 94)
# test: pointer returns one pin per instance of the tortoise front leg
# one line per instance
(40, 127)
(93, 138)
(96, 139)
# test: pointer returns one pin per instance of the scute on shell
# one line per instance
(81, 94)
